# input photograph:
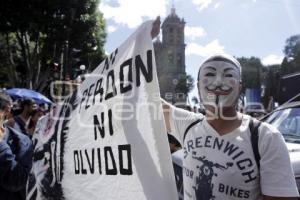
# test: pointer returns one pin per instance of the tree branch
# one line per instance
(30, 67)
(12, 75)
(20, 37)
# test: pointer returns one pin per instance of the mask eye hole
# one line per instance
(209, 74)
(228, 75)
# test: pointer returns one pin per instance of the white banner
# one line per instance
(108, 140)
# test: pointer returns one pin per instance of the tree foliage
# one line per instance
(33, 34)
(251, 72)
(270, 80)
(291, 61)
(185, 84)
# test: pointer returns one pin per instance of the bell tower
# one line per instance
(170, 59)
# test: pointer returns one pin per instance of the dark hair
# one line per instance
(26, 102)
(4, 100)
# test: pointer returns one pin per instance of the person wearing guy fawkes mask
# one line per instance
(219, 162)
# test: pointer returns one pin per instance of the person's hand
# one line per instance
(155, 27)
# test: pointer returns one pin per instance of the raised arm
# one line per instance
(166, 110)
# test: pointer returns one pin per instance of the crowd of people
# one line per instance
(218, 161)
(17, 123)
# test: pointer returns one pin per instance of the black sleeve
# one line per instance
(13, 170)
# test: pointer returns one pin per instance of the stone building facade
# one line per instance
(170, 59)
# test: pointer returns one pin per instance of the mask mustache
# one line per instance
(219, 90)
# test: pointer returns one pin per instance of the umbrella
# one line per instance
(19, 93)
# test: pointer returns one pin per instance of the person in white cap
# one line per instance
(219, 159)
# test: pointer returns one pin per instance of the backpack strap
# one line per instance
(190, 126)
(253, 126)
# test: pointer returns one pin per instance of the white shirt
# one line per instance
(223, 167)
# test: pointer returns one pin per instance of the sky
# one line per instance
(238, 27)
